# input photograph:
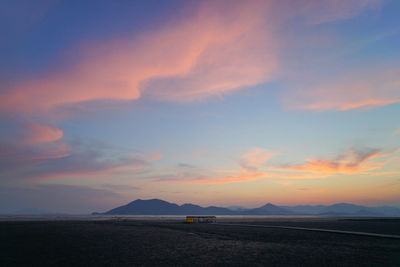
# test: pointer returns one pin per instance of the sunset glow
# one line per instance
(210, 102)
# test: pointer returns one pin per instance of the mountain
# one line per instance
(387, 211)
(268, 209)
(161, 207)
(343, 209)
(146, 207)
(305, 209)
(32, 211)
(237, 208)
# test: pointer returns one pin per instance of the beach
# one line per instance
(168, 241)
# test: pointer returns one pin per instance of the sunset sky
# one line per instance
(209, 102)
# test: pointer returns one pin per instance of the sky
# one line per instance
(208, 102)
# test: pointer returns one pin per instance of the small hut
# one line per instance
(201, 219)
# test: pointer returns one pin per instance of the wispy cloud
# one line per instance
(220, 48)
(58, 198)
(28, 132)
(284, 183)
(39, 133)
(351, 162)
(363, 90)
(253, 159)
(120, 187)
(323, 11)
(234, 176)
(355, 161)
(186, 166)
(79, 160)
(26, 143)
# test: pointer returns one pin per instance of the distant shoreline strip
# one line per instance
(312, 229)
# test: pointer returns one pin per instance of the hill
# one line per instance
(161, 207)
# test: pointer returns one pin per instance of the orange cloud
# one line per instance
(284, 183)
(352, 162)
(237, 176)
(349, 163)
(369, 89)
(255, 157)
(251, 165)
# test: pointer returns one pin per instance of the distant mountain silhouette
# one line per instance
(32, 211)
(344, 209)
(268, 209)
(161, 207)
(236, 208)
(306, 209)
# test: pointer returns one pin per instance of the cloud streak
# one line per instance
(355, 161)
(75, 160)
(366, 89)
(38, 133)
(58, 198)
(318, 12)
(220, 48)
(253, 159)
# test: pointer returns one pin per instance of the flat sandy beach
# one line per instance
(167, 241)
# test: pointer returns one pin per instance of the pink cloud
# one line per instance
(219, 49)
(367, 89)
(26, 142)
(36, 133)
(52, 151)
(154, 157)
(15, 158)
(57, 160)
(223, 47)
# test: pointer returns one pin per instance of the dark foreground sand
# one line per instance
(131, 242)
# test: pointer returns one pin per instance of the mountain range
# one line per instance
(161, 207)
(32, 211)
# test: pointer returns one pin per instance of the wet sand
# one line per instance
(166, 241)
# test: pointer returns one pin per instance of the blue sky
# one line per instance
(213, 102)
